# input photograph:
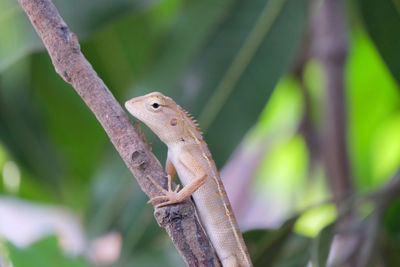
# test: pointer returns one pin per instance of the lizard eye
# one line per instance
(155, 105)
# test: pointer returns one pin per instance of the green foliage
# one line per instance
(382, 20)
(281, 247)
(373, 101)
(321, 245)
(44, 253)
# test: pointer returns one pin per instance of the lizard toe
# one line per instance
(170, 202)
(177, 188)
(154, 199)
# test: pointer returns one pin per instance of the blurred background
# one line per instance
(299, 101)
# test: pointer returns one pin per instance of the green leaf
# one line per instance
(373, 100)
(234, 75)
(191, 29)
(392, 218)
(389, 249)
(321, 246)
(231, 67)
(43, 253)
(382, 20)
(18, 38)
(277, 247)
(21, 129)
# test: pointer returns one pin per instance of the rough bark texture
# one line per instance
(180, 221)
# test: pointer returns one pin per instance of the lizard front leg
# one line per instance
(174, 196)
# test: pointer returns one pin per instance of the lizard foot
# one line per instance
(170, 196)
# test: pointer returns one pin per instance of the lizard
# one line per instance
(189, 156)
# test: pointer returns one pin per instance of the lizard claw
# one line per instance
(177, 188)
(170, 202)
(154, 199)
(170, 196)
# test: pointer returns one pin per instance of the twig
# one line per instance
(180, 220)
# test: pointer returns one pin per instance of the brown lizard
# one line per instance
(189, 155)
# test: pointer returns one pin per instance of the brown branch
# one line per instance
(330, 44)
(179, 220)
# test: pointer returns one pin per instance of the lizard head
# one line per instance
(160, 113)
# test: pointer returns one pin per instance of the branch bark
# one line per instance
(180, 221)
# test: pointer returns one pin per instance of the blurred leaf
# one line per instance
(18, 38)
(235, 73)
(242, 49)
(118, 204)
(382, 20)
(321, 246)
(313, 220)
(183, 43)
(166, 256)
(392, 218)
(44, 253)
(4, 255)
(123, 50)
(21, 129)
(277, 247)
(373, 98)
(178, 50)
(73, 130)
(283, 174)
(389, 248)
(285, 96)
(296, 252)
(385, 148)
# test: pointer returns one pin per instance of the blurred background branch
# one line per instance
(330, 46)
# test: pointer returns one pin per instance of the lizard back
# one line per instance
(211, 199)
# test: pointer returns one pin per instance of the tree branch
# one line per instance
(330, 44)
(180, 221)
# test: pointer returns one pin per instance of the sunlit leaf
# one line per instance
(373, 97)
(385, 148)
(312, 221)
